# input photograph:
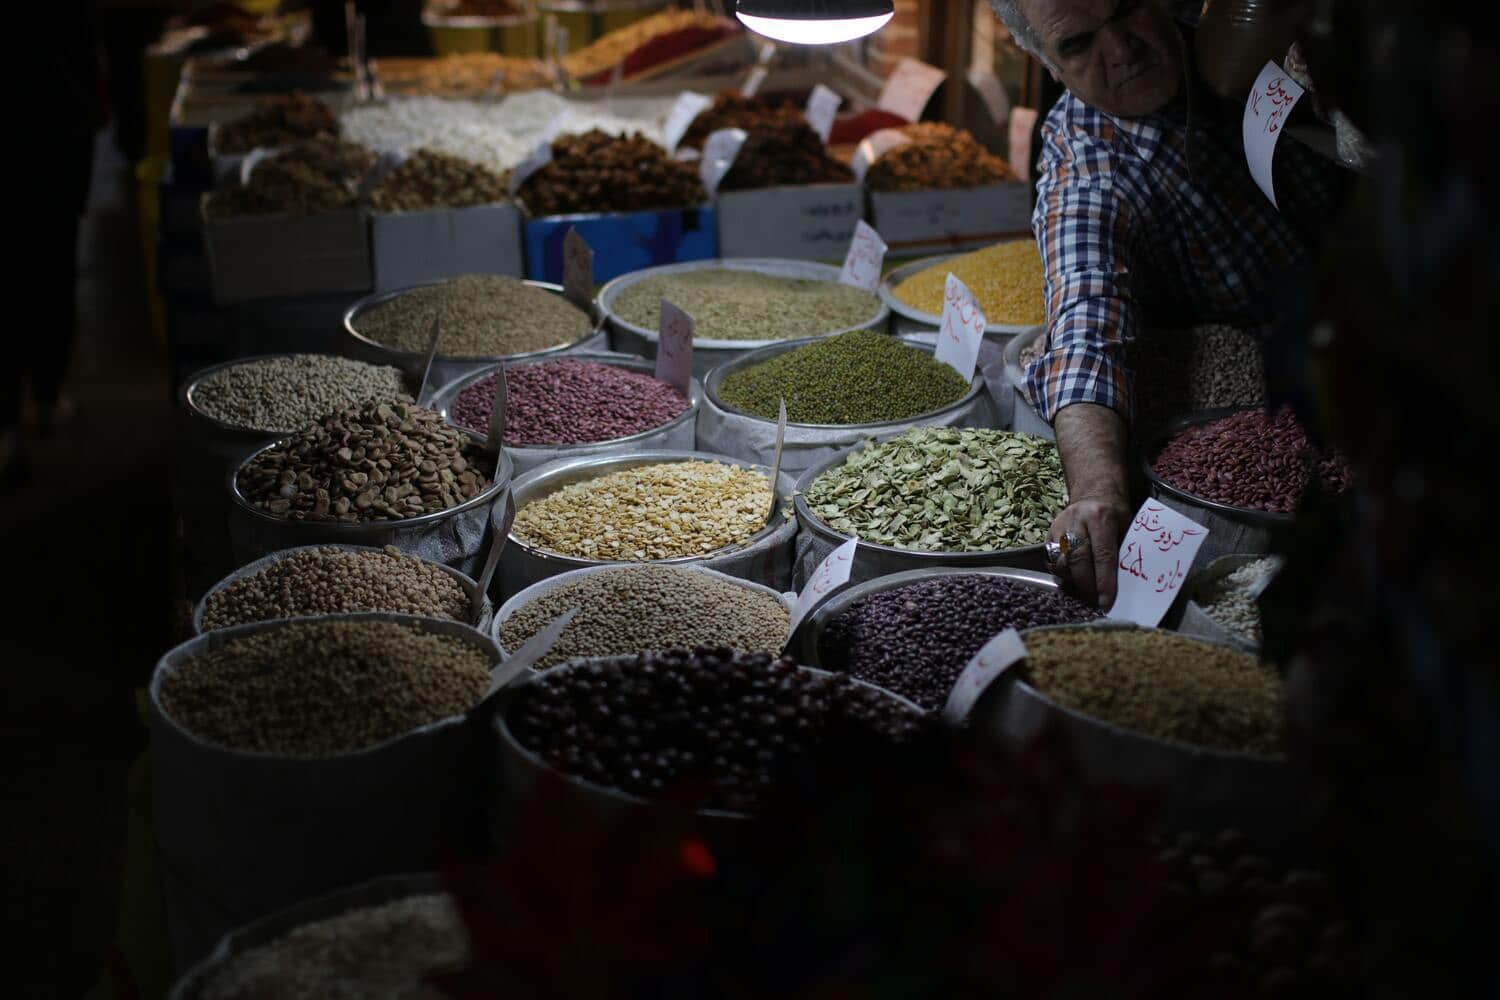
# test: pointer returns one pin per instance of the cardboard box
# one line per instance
(622, 241)
(812, 222)
(260, 257)
(924, 222)
(411, 247)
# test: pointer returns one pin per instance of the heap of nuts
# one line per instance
(787, 152)
(937, 156)
(277, 121)
(599, 172)
(734, 110)
(436, 180)
(383, 461)
(1253, 460)
(643, 723)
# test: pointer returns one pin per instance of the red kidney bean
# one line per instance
(570, 402)
(1253, 459)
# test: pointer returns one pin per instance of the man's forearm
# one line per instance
(1091, 440)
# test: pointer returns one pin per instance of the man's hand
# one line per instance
(1088, 569)
(1091, 440)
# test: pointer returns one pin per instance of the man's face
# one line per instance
(1120, 56)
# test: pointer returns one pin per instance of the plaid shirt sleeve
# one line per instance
(1082, 223)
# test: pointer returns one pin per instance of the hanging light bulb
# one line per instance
(814, 22)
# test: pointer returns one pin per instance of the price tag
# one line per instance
(831, 574)
(423, 395)
(822, 105)
(1154, 559)
(865, 258)
(531, 651)
(873, 146)
(689, 105)
(719, 151)
(753, 80)
(674, 347)
(776, 460)
(993, 659)
(909, 87)
(578, 270)
(1271, 101)
(253, 159)
(962, 328)
(538, 158)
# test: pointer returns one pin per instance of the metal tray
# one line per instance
(887, 293)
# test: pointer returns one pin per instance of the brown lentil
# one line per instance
(1163, 685)
(747, 305)
(321, 688)
(328, 580)
(370, 953)
(637, 608)
(662, 511)
(483, 315)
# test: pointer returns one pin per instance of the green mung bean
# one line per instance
(944, 489)
(859, 377)
(748, 305)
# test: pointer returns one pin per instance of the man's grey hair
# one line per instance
(1009, 13)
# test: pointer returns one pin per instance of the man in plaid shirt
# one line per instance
(1146, 211)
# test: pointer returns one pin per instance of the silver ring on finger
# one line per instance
(1072, 542)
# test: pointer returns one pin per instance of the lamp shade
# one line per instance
(814, 22)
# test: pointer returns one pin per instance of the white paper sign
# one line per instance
(253, 159)
(873, 146)
(962, 328)
(578, 271)
(753, 80)
(689, 106)
(719, 151)
(1267, 108)
(674, 347)
(865, 258)
(909, 87)
(776, 460)
(1154, 560)
(538, 158)
(822, 105)
(531, 651)
(831, 574)
(992, 660)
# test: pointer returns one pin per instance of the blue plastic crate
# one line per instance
(623, 241)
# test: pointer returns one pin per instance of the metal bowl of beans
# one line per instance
(477, 601)
(1165, 490)
(710, 353)
(1203, 588)
(919, 320)
(524, 564)
(715, 380)
(1200, 787)
(873, 560)
(804, 644)
(445, 368)
(675, 433)
(523, 771)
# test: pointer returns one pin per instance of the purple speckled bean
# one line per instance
(569, 402)
(1252, 460)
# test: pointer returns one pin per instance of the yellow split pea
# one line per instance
(1006, 279)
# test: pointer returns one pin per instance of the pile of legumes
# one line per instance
(636, 608)
(483, 315)
(1203, 368)
(1232, 605)
(642, 723)
(284, 394)
(568, 401)
(382, 951)
(330, 580)
(942, 489)
(859, 377)
(1253, 459)
(431, 179)
(321, 688)
(1161, 684)
(662, 511)
(377, 462)
(1006, 280)
(748, 305)
(915, 640)
(938, 156)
